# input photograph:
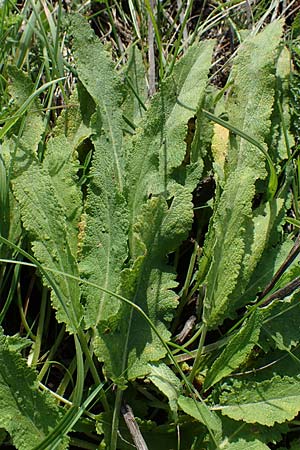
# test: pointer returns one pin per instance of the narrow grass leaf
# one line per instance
(65, 425)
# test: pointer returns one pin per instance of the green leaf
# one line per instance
(105, 234)
(234, 432)
(251, 98)
(280, 139)
(128, 344)
(134, 105)
(242, 444)
(236, 352)
(75, 120)
(44, 217)
(97, 74)
(234, 210)
(21, 89)
(281, 325)
(268, 402)
(104, 224)
(231, 234)
(27, 414)
(200, 412)
(167, 382)
(269, 263)
(62, 165)
(159, 145)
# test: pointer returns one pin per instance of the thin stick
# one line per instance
(283, 292)
(133, 427)
(288, 261)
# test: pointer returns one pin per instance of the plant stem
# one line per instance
(199, 354)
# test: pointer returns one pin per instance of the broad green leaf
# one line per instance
(167, 382)
(269, 263)
(242, 444)
(27, 414)
(62, 166)
(251, 98)
(268, 402)
(97, 74)
(236, 431)
(281, 327)
(189, 79)
(263, 232)
(74, 122)
(231, 234)
(29, 131)
(280, 137)
(201, 412)
(129, 343)
(21, 89)
(44, 217)
(236, 351)
(104, 247)
(159, 146)
(234, 210)
(104, 224)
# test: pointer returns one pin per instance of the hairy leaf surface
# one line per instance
(200, 412)
(62, 166)
(134, 104)
(167, 382)
(104, 247)
(44, 217)
(159, 145)
(130, 343)
(274, 400)
(242, 444)
(236, 352)
(249, 109)
(97, 74)
(27, 414)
